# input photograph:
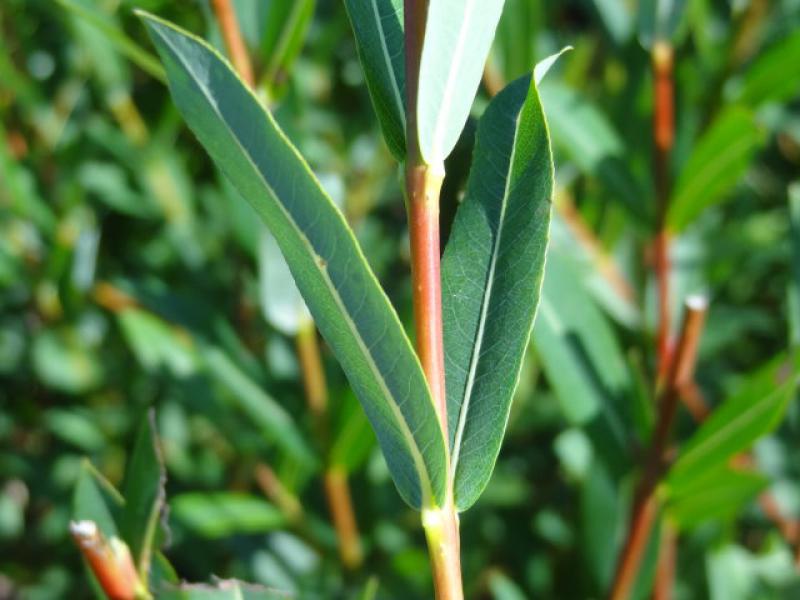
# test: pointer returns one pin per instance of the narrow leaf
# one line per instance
(378, 29)
(491, 278)
(223, 514)
(774, 76)
(578, 349)
(347, 303)
(95, 499)
(719, 494)
(587, 137)
(458, 35)
(737, 423)
(263, 410)
(717, 163)
(144, 494)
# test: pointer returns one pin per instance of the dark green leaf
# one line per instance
(144, 494)
(277, 424)
(492, 273)
(378, 28)
(718, 494)
(95, 499)
(346, 301)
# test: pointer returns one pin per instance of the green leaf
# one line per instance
(156, 344)
(577, 346)
(265, 412)
(109, 28)
(352, 441)
(348, 305)
(716, 164)
(95, 499)
(228, 589)
(222, 514)
(458, 36)
(492, 273)
(719, 494)
(737, 423)
(774, 76)
(587, 137)
(144, 494)
(287, 24)
(378, 29)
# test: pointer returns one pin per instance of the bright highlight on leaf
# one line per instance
(458, 35)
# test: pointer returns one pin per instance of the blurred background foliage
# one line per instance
(130, 278)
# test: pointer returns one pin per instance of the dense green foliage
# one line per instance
(132, 276)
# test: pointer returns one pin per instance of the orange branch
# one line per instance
(234, 42)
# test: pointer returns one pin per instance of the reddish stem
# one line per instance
(645, 502)
(663, 138)
(423, 185)
(234, 42)
(423, 215)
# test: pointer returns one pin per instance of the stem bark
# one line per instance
(423, 184)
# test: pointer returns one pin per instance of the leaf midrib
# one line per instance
(426, 488)
(455, 67)
(487, 296)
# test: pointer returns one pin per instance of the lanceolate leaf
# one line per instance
(718, 495)
(736, 424)
(265, 412)
(458, 35)
(345, 299)
(378, 27)
(491, 278)
(773, 76)
(715, 166)
(144, 494)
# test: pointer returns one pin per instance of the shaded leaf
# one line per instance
(265, 412)
(715, 166)
(221, 514)
(144, 494)
(584, 133)
(492, 273)
(378, 29)
(346, 301)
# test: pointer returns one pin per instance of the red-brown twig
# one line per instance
(663, 138)
(423, 186)
(645, 506)
(109, 560)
